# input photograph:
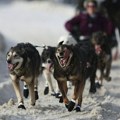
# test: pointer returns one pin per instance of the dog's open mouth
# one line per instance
(98, 49)
(12, 66)
(64, 61)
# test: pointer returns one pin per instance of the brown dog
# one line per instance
(24, 64)
(75, 64)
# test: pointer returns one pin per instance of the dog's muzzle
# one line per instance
(64, 60)
(48, 64)
(11, 66)
(98, 49)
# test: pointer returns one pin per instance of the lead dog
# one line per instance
(24, 64)
(75, 64)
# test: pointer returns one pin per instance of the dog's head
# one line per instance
(15, 57)
(47, 57)
(64, 55)
(98, 40)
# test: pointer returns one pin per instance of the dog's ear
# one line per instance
(23, 52)
(11, 48)
(60, 43)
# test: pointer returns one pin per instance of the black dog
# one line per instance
(75, 64)
(103, 51)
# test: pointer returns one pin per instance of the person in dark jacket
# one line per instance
(89, 21)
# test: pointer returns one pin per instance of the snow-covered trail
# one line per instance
(43, 23)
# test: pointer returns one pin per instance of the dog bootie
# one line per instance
(25, 91)
(46, 90)
(61, 100)
(108, 79)
(53, 94)
(78, 108)
(22, 106)
(71, 105)
(58, 95)
(93, 89)
(98, 85)
(36, 95)
(66, 105)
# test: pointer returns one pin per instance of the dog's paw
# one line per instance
(26, 93)
(58, 95)
(78, 108)
(71, 105)
(61, 100)
(22, 107)
(98, 85)
(46, 90)
(36, 95)
(53, 94)
(108, 79)
(66, 105)
(93, 90)
(33, 104)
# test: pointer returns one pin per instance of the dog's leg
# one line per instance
(36, 89)
(69, 84)
(92, 82)
(32, 93)
(46, 90)
(101, 75)
(108, 69)
(25, 90)
(79, 90)
(18, 93)
(48, 79)
(58, 94)
(63, 89)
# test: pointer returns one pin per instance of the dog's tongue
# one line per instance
(48, 66)
(10, 66)
(62, 61)
(98, 49)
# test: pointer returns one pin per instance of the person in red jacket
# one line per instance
(89, 21)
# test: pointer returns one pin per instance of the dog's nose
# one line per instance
(61, 53)
(49, 61)
(9, 61)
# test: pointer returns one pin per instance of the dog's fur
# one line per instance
(47, 70)
(24, 64)
(103, 51)
(75, 64)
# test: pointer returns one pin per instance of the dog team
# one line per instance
(69, 63)
(75, 59)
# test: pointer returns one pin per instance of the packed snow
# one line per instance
(43, 23)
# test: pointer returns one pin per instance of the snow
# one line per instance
(43, 23)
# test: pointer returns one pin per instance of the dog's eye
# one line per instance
(58, 50)
(15, 55)
(8, 55)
